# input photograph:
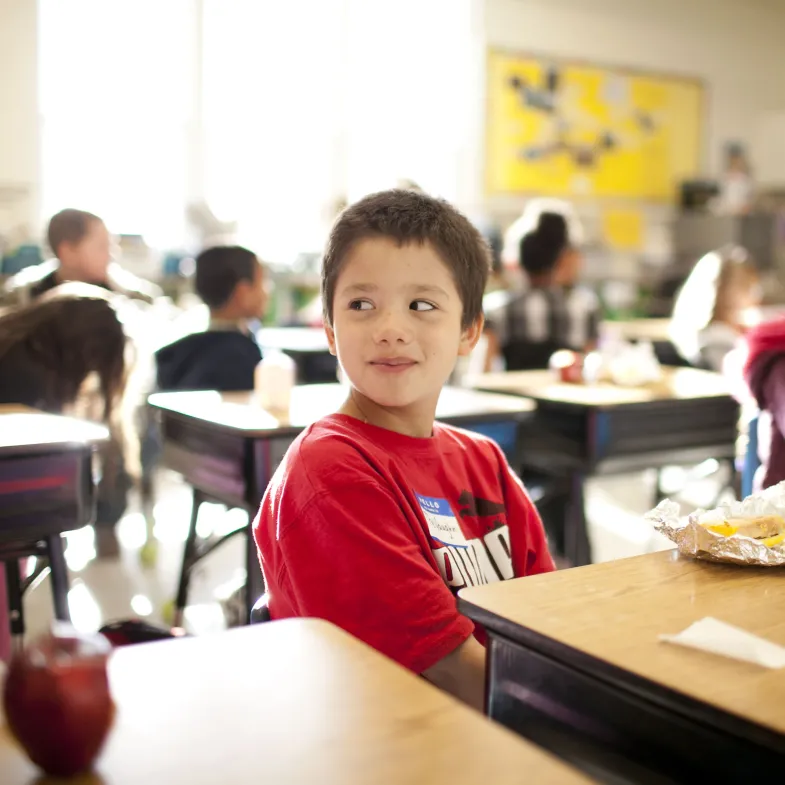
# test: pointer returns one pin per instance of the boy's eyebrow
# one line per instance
(366, 288)
(426, 289)
(360, 287)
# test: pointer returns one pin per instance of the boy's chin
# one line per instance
(390, 399)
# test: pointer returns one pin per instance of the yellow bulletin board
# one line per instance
(574, 130)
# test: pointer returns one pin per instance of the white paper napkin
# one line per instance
(717, 637)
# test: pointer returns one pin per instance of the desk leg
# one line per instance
(16, 617)
(576, 536)
(259, 468)
(659, 493)
(189, 551)
(254, 583)
(58, 576)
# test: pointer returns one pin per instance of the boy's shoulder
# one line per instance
(337, 447)
(30, 282)
(476, 444)
(336, 442)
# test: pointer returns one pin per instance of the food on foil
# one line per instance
(750, 532)
(770, 529)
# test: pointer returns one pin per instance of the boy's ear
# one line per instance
(470, 336)
(330, 333)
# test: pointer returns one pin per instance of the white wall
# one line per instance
(18, 108)
(736, 46)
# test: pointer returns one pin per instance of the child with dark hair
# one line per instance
(82, 247)
(230, 280)
(378, 515)
(49, 347)
(552, 313)
(50, 351)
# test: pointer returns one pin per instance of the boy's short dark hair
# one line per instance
(68, 226)
(541, 247)
(220, 269)
(410, 217)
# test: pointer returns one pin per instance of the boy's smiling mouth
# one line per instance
(393, 364)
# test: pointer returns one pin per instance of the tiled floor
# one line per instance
(103, 590)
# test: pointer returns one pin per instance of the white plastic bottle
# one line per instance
(274, 380)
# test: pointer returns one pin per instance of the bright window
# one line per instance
(116, 98)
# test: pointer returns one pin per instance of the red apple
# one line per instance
(57, 701)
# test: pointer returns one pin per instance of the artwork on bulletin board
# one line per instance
(575, 130)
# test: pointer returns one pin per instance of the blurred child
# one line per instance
(378, 515)
(715, 306)
(82, 247)
(230, 280)
(764, 372)
(737, 193)
(552, 313)
(64, 349)
(49, 347)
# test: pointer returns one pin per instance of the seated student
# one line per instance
(764, 373)
(50, 351)
(231, 282)
(377, 515)
(552, 313)
(82, 247)
(49, 347)
(711, 310)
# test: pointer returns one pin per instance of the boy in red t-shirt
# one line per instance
(378, 515)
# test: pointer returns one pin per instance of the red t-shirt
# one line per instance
(376, 531)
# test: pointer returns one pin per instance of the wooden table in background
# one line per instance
(46, 478)
(228, 448)
(294, 702)
(583, 430)
(576, 665)
(633, 330)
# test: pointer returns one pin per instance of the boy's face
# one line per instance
(251, 296)
(397, 323)
(88, 259)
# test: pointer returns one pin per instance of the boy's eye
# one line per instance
(360, 305)
(421, 305)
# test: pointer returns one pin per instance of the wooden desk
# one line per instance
(302, 703)
(46, 488)
(654, 330)
(46, 481)
(575, 656)
(228, 448)
(583, 430)
(307, 346)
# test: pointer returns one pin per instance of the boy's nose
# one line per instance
(391, 328)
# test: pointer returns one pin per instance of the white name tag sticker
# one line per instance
(442, 524)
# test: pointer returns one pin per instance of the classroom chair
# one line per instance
(50, 555)
(195, 550)
(751, 459)
(260, 612)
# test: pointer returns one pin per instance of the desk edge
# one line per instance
(624, 680)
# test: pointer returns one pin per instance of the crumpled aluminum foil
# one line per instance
(696, 541)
